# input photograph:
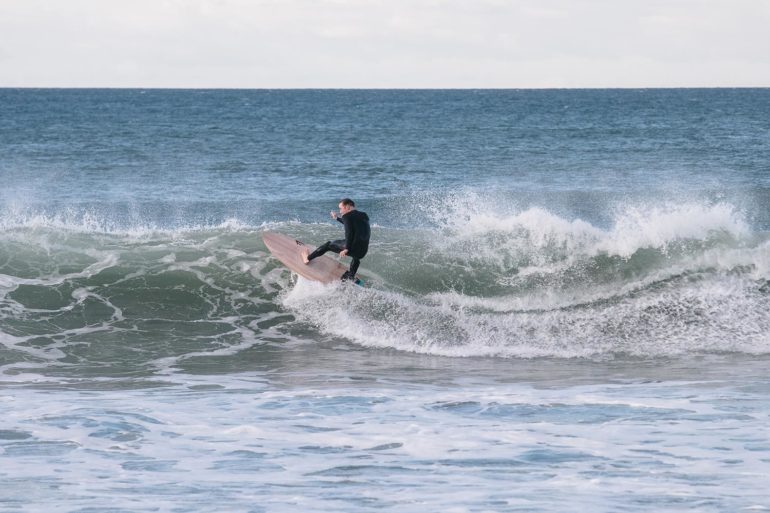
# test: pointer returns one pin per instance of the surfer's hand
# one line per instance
(333, 214)
(344, 252)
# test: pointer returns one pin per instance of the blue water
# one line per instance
(567, 301)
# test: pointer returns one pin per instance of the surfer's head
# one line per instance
(346, 205)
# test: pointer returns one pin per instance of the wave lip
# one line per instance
(659, 227)
(537, 236)
(86, 221)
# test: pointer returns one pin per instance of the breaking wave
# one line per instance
(77, 292)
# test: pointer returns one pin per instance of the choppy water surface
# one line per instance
(567, 301)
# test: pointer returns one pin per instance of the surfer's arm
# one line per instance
(350, 232)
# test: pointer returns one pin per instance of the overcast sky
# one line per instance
(384, 43)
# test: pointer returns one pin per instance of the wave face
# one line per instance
(79, 296)
(133, 302)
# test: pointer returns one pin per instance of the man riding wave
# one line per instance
(356, 242)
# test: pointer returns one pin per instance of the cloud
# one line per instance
(378, 43)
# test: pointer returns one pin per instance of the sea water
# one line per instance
(566, 305)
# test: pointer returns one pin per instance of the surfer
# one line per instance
(356, 242)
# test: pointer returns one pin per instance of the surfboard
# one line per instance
(289, 251)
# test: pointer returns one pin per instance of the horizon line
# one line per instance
(170, 88)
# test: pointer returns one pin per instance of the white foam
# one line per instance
(19, 220)
(721, 314)
(536, 239)
(405, 445)
(109, 259)
(656, 227)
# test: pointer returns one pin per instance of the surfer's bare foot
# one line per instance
(304, 256)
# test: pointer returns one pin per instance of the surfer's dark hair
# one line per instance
(348, 202)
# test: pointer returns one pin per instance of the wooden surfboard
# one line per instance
(289, 251)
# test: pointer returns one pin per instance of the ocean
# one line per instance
(566, 304)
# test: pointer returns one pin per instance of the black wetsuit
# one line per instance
(356, 241)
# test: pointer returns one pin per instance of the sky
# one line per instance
(384, 43)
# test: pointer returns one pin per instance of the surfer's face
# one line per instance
(344, 209)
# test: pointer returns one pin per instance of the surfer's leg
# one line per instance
(332, 245)
(354, 263)
(350, 274)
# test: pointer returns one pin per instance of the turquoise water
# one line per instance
(567, 301)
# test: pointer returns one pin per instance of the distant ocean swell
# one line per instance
(79, 295)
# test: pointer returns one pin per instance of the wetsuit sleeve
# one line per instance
(350, 232)
(339, 218)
